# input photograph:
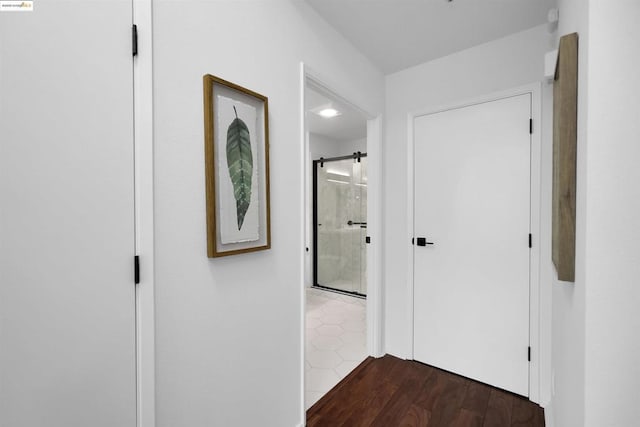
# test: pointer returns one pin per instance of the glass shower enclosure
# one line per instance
(340, 223)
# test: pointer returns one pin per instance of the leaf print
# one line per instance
(240, 163)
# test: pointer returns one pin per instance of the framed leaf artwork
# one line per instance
(236, 138)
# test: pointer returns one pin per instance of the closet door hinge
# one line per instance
(530, 240)
(134, 40)
(529, 354)
(136, 269)
(531, 126)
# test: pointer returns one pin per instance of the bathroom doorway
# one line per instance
(338, 309)
(340, 224)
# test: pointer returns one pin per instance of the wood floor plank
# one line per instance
(390, 392)
(365, 415)
(450, 402)
(431, 391)
(314, 420)
(366, 394)
(412, 376)
(354, 393)
(362, 371)
(477, 397)
(394, 411)
(339, 402)
(391, 373)
(499, 409)
(525, 414)
(467, 418)
(409, 369)
(539, 419)
(416, 416)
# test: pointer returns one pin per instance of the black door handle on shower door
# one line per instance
(422, 241)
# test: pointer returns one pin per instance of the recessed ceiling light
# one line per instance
(329, 112)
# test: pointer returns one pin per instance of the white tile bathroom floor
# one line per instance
(335, 340)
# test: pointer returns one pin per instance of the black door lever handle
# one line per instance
(422, 241)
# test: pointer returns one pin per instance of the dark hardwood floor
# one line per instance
(390, 392)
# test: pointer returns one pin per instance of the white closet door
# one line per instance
(67, 302)
(471, 285)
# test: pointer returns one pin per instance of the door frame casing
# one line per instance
(536, 339)
(374, 219)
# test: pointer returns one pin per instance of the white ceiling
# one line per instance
(397, 34)
(349, 126)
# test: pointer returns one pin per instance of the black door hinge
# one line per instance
(529, 354)
(531, 126)
(530, 240)
(134, 40)
(413, 241)
(136, 269)
(367, 239)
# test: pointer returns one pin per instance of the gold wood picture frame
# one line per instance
(236, 146)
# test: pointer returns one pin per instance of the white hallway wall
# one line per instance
(355, 145)
(228, 330)
(322, 146)
(568, 313)
(596, 320)
(612, 258)
(496, 66)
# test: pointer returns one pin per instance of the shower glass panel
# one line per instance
(340, 215)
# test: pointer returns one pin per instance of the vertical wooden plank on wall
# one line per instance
(565, 117)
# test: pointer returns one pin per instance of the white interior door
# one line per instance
(471, 285)
(67, 303)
